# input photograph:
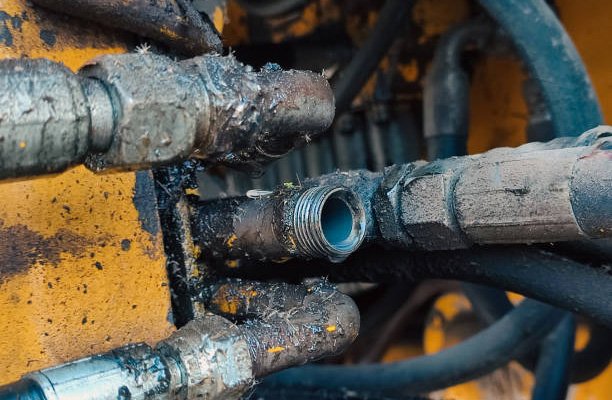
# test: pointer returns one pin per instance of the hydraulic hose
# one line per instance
(510, 337)
(446, 91)
(530, 271)
(446, 132)
(552, 372)
(393, 17)
(547, 51)
(492, 304)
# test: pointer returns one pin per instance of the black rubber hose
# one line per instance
(587, 363)
(510, 337)
(527, 270)
(393, 16)
(488, 303)
(552, 372)
(263, 392)
(271, 8)
(552, 60)
(446, 91)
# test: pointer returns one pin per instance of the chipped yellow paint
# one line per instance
(236, 29)
(227, 306)
(69, 40)
(192, 192)
(196, 251)
(85, 276)
(276, 349)
(168, 32)
(331, 328)
(232, 263)
(106, 290)
(230, 300)
(230, 240)
(218, 18)
(498, 113)
(409, 71)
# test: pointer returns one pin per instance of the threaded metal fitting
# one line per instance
(329, 222)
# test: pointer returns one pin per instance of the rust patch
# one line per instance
(20, 248)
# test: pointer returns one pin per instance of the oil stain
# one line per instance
(145, 202)
(21, 248)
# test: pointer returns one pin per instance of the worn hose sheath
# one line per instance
(512, 336)
(174, 23)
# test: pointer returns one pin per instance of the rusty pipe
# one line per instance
(166, 21)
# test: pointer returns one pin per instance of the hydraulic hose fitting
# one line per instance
(536, 193)
(187, 365)
(309, 322)
(314, 222)
(210, 357)
(329, 222)
(136, 111)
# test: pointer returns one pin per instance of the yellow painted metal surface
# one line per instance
(82, 267)
(498, 113)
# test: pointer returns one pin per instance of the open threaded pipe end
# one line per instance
(329, 222)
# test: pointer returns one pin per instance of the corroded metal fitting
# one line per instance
(316, 222)
(210, 357)
(536, 193)
(210, 107)
(288, 325)
(134, 111)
